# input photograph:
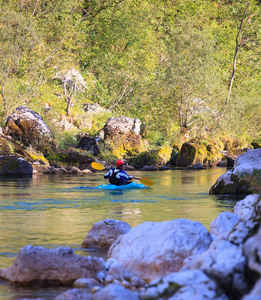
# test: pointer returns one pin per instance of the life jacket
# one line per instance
(114, 180)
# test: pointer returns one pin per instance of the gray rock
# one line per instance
(104, 233)
(231, 182)
(41, 266)
(75, 294)
(26, 126)
(183, 285)
(122, 125)
(115, 292)
(72, 79)
(245, 208)
(223, 261)
(149, 168)
(117, 271)
(85, 283)
(11, 165)
(242, 231)
(252, 251)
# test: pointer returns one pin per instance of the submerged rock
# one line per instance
(49, 267)
(154, 249)
(75, 294)
(115, 292)
(104, 233)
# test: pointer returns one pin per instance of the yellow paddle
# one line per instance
(146, 181)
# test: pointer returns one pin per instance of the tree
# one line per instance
(18, 39)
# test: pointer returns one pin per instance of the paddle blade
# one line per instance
(97, 166)
(147, 181)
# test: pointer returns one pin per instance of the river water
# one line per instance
(53, 210)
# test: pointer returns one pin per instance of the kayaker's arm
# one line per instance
(124, 176)
(108, 174)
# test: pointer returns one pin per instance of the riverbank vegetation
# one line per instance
(185, 68)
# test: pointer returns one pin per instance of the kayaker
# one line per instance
(117, 176)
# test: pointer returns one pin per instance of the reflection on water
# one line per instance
(53, 211)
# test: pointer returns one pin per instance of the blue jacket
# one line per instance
(117, 176)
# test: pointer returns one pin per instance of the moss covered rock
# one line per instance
(5, 147)
(192, 153)
(26, 126)
(122, 136)
(72, 157)
(11, 165)
(256, 144)
(157, 158)
(37, 157)
(147, 158)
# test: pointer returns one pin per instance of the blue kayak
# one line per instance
(131, 186)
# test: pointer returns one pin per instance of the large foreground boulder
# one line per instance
(154, 249)
(224, 262)
(104, 233)
(49, 267)
(29, 128)
(236, 181)
(11, 165)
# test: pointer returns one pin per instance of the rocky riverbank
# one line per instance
(176, 259)
(27, 147)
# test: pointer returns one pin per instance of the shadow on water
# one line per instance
(52, 211)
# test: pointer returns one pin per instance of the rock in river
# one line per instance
(11, 165)
(49, 267)
(104, 233)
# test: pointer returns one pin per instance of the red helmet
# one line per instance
(119, 162)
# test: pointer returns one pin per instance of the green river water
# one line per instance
(52, 211)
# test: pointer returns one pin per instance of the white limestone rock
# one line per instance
(183, 285)
(224, 222)
(154, 249)
(223, 261)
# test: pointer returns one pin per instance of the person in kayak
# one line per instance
(117, 176)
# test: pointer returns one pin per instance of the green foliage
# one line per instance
(167, 63)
